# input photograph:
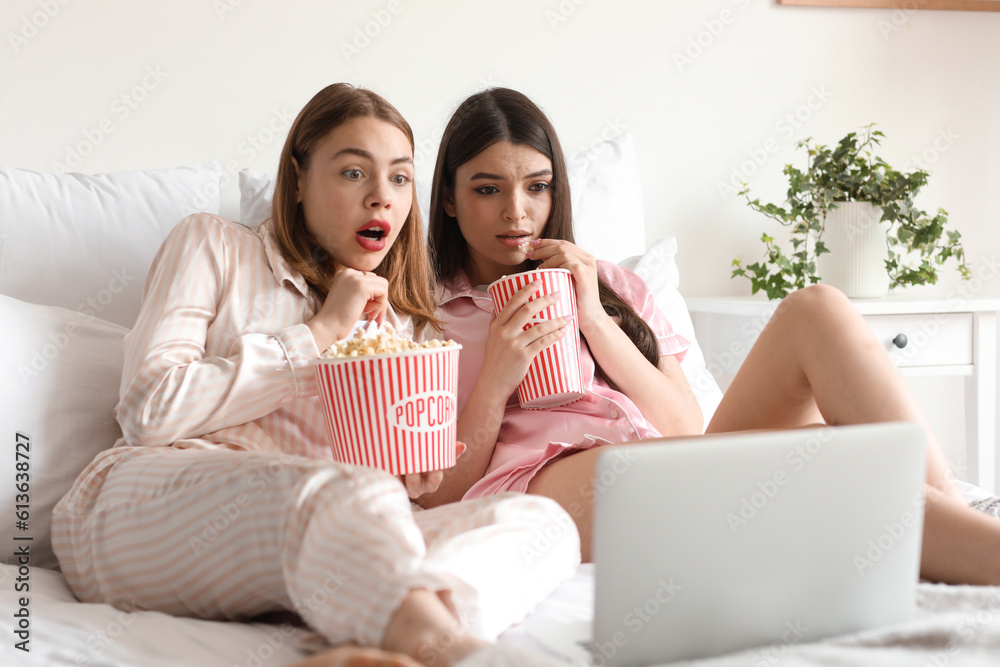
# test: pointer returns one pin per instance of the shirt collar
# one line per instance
(458, 286)
(283, 273)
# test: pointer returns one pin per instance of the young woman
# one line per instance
(221, 500)
(499, 205)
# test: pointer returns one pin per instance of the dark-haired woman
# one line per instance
(499, 205)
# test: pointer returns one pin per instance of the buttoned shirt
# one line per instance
(220, 355)
(528, 439)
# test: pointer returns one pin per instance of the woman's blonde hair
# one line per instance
(406, 266)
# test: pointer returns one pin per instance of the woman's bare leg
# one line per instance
(570, 482)
(960, 545)
(817, 361)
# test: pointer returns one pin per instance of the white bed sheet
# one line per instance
(955, 626)
(67, 632)
(64, 631)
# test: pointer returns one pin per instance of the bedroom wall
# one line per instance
(713, 92)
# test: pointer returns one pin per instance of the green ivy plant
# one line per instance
(918, 243)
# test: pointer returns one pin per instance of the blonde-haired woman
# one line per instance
(221, 500)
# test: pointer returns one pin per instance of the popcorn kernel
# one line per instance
(386, 342)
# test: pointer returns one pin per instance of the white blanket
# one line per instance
(957, 626)
(66, 632)
(954, 626)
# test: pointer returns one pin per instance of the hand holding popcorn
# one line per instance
(390, 403)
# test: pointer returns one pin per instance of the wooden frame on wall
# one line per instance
(958, 5)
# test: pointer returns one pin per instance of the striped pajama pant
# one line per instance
(222, 534)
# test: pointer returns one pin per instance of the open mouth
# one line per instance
(516, 240)
(372, 236)
(375, 234)
(376, 230)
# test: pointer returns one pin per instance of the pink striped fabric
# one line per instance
(222, 499)
(554, 377)
(221, 534)
(394, 412)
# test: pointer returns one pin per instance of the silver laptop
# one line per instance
(758, 540)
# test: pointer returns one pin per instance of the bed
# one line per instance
(74, 251)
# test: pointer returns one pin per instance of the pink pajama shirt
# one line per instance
(529, 439)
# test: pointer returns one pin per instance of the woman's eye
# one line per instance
(539, 187)
(488, 190)
(400, 179)
(353, 174)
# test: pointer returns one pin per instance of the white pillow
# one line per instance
(256, 191)
(658, 267)
(86, 242)
(605, 190)
(61, 371)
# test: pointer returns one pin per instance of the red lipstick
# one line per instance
(372, 235)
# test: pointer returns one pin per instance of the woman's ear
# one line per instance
(298, 180)
(449, 203)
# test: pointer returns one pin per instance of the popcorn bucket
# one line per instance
(393, 411)
(554, 377)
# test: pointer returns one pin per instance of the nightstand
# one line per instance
(925, 338)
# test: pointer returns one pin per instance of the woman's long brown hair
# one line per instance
(406, 266)
(501, 114)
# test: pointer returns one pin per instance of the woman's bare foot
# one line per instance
(425, 628)
(349, 655)
(424, 631)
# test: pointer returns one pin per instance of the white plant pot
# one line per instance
(856, 238)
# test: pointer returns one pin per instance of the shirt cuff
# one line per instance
(674, 344)
(300, 350)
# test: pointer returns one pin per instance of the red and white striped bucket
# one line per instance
(396, 412)
(554, 377)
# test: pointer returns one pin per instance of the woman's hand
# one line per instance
(510, 348)
(352, 296)
(419, 483)
(662, 392)
(554, 254)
